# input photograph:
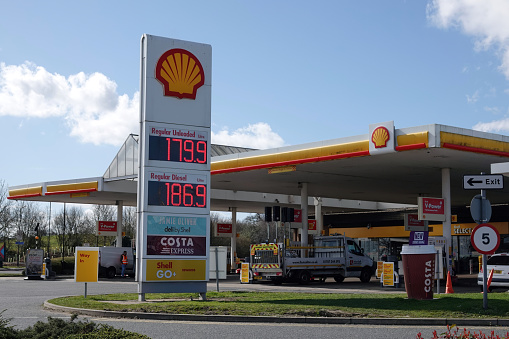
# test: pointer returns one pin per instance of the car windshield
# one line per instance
(499, 260)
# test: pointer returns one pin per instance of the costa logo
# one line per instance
(181, 73)
(380, 137)
(428, 276)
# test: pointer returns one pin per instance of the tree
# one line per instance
(5, 215)
(129, 221)
(26, 216)
(252, 230)
(75, 226)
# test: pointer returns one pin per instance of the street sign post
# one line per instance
(485, 240)
(483, 182)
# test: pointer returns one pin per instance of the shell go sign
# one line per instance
(175, 270)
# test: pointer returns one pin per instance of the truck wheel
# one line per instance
(304, 278)
(112, 272)
(365, 275)
(339, 278)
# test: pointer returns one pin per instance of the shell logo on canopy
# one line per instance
(181, 73)
(380, 137)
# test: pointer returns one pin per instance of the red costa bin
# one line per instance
(419, 270)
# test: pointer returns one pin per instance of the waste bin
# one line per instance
(419, 270)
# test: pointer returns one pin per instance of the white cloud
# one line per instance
(486, 20)
(93, 109)
(493, 110)
(473, 98)
(494, 126)
(259, 136)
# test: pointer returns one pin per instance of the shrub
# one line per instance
(59, 328)
(6, 331)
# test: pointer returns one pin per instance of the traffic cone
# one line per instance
(490, 277)
(448, 286)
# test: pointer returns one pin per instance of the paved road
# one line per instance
(23, 299)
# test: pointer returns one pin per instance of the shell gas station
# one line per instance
(360, 186)
(351, 186)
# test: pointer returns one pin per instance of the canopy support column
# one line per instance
(446, 226)
(233, 252)
(304, 207)
(318, 216)
(120, 228)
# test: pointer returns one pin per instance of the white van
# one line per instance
(110, 262)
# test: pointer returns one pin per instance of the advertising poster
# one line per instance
(379, 269)
(244, 273)
(177, 235)
(34, 260)
(388, 274)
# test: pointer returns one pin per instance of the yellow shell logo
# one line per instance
(180, 72)
(380, 137)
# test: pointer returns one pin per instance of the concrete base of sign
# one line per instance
(173, 287)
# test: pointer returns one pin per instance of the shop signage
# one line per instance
(418, 238)
(381, 138)
(412, 223)
(224, 230)
(312, 225)
(297, 215)
(431, 208)
(106, 228)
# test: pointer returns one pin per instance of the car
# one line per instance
(499, 263)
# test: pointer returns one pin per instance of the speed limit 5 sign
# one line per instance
(485, 238)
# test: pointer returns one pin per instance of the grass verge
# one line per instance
(467, 305)
(10, 274)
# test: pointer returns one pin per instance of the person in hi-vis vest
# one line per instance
(123, 260)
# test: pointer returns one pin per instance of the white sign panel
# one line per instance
(483, 182)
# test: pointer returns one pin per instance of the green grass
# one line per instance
(10, 274)
(468, 305)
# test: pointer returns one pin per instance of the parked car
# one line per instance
(500, 264)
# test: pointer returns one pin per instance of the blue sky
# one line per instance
(284, 72)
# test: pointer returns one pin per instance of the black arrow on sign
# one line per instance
(471, 181)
